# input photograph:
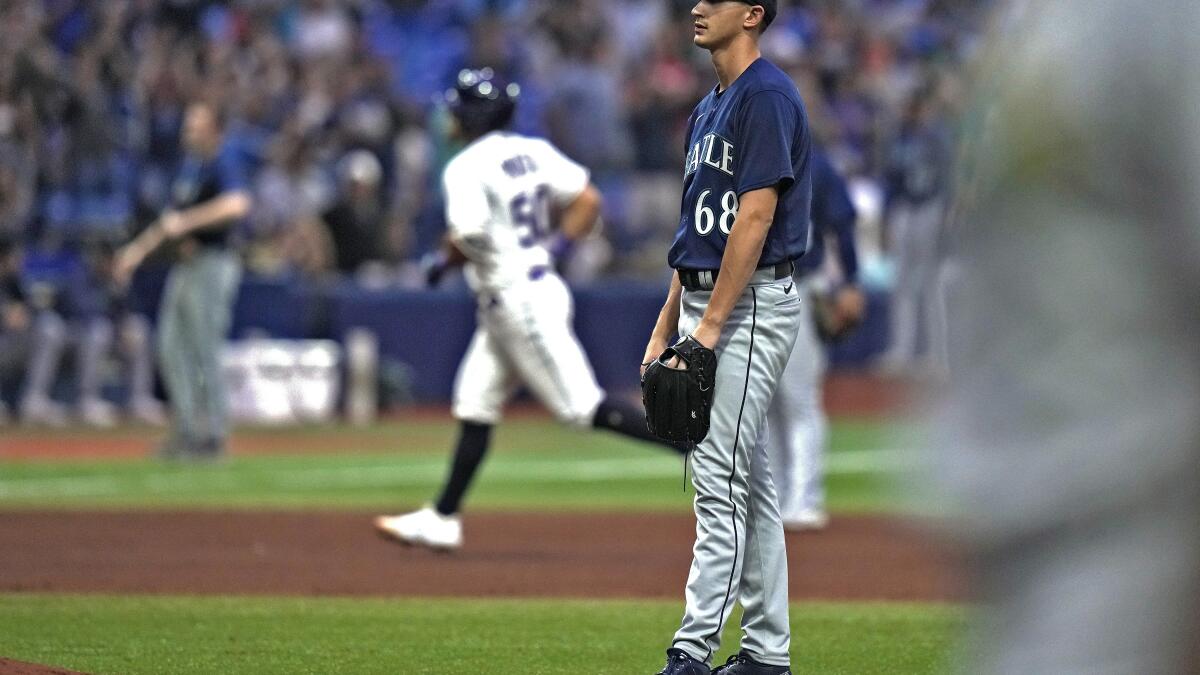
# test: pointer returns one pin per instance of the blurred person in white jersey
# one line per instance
(502, 193)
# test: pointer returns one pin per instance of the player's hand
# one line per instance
(656, 347)
(172, 225)
(851, 305)
(666, 392)
(707, 335)
(433, 267)
(125, 263)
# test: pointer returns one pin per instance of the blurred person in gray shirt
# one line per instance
(1070, 437)
(916, 183)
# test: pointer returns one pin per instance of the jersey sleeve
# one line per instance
(835, 210)
(467, 210)
(767, 128)
(566, 178)
(231, 171)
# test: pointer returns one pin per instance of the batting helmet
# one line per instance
(482, 101)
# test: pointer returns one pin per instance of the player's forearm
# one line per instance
(219, 211)
(580, 216)
(145, 243)
(668, 317)
(131, 256)
(453, 256)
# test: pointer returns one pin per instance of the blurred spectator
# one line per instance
(16, 184)
(80, 314)
(585, 117)
(92, 98)
(289, 194)
(102, 325)
(658, 103)
(358, 219)
(93, 94)
(291, 185)
(14, 320)
(31, 343)
(424, 42)
(322, 29)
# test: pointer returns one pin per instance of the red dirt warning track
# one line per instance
(506, 555)
(11, 667)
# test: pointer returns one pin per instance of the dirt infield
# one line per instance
(10, 667)
(507, 555)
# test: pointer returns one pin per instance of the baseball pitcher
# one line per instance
(745, 218)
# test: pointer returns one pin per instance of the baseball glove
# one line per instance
(678, 400)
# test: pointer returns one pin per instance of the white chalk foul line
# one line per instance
(401, 473)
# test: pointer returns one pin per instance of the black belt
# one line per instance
(706, 280)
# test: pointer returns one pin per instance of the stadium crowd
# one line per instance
(332, 106)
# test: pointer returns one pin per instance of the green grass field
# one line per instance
(107, 634)
(536, 465)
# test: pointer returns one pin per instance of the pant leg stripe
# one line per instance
(737, 437)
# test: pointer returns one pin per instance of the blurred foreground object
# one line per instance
(1070, 435)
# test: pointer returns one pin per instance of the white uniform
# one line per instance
(799, 428)
(500, 191)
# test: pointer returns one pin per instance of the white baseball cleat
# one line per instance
(41, 411)
(426, 527)
(148, 411)
(96, 412)
(806, 521)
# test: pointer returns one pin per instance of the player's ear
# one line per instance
(754, 19)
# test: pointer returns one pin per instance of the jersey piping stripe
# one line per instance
(737, 437)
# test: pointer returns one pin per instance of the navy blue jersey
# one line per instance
(200, 180)
(918, 166)
(753, 135)
(832, 213)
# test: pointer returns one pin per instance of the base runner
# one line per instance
(500, 193)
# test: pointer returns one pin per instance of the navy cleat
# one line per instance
(679, 663)
(741, 664)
